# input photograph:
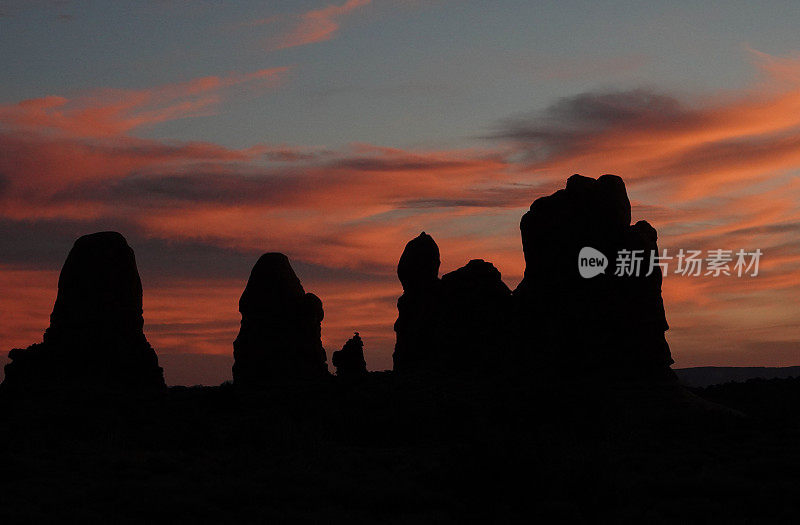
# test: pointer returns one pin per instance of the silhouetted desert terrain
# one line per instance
(554, 401)
(399, 450)
(703, 376)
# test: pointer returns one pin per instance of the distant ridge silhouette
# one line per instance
(703, 376)
(95, 338)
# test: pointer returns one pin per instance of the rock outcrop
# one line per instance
(349, 361)
(418, 324)
(280, 335)
(607, 324)
(476, 309)
(95, 338)
(453, 323)
(556, 323)
(418, 268)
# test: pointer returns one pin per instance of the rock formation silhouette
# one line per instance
(418, 268)
(556, 320)
(452, 323)
(349, 361)
(476, 309)
(280, 335)
(418, 323)
(601, 324)
(95, 338)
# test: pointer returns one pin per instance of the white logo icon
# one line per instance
(591, 262)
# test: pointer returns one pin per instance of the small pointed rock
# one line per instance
(349, 361)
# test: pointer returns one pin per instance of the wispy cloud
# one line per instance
(110, 112)
(313, 26)
(692, 148)
(724, 172)
(715, 172)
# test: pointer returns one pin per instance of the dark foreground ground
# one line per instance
(407, 450)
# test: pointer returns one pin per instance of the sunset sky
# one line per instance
(335, 131)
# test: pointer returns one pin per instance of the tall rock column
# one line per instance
(419, 308)
(280, 335)
(452, 324)
(96, 337)
(603, 324)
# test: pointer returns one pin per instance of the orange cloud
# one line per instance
(112, 112)
(311, 27)
(691, 150)
(715, 173)
(55, 142)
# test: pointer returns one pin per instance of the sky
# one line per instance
(335, 131)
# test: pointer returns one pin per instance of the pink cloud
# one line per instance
(113, 112)
(716, 173)
(313, 26)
